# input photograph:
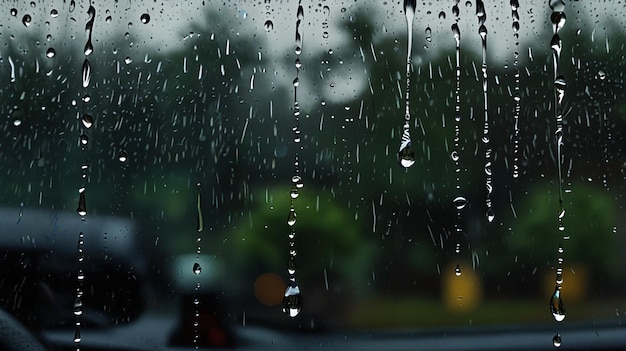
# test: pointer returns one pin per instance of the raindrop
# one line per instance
(557, 5)
(406, 155)
(460, 202)
(269, 25)
(196, 268)
(145, 18)
(84, 139)
(87, 121)
(128, 60)
(490, 215)
(556, 305)
(442, 15)
(556, 340)
(292, 302)
(122, 156)
(26, 20)
(78, 306)
(294, 193)
(200, 220)
(88, 48)
(109, 19)
(50, 53)
(13, 12)
(54, 13)
(457, 270)
(291, 217)
(86, 73)
(77, 336)
(82, 206)
(601, 75)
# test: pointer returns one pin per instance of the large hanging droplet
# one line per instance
(291, 218)
(406, 155)
(556, 305)
(26, 20)
(556, 340)
(196, 268)
(292, 302)
(82, 206)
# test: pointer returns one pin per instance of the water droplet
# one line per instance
(442, 15)
(406, 155)
(87, 121)
(109, 19)
(601, 75)
(84, 139)
(26, 20)
(292, 302)
(454, 156)
(82, 207)
(196, 268)
(294, 193)
(128, 60)
(122, 156)
(459, 202)
(88, 48)
(78, 306)
(145, 18)
(556, 305)
(199, 216)
(13, 12)
(556, 340)
(54, 13)
(291, 217)
(490, 215)
(457, 270)
(77, 335)
(50, 53)
(558, 19)
(86, 73)
(269, 25)
(557, 5)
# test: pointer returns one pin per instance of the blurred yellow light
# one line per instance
(460, 293)
(269, 289)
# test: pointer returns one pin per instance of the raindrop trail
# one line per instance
(516, 88)
(459, 201)
(482, 31)
(406, 155)
(197, 269)
(557, 18)
(269, 25)
(292, 301)
(86, 122)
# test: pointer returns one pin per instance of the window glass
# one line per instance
(328, 166)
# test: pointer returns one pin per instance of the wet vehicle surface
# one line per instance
(335, 175)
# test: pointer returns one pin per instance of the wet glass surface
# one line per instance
(341, 167)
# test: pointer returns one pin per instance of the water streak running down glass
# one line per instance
(406, 154)
(292, 301)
